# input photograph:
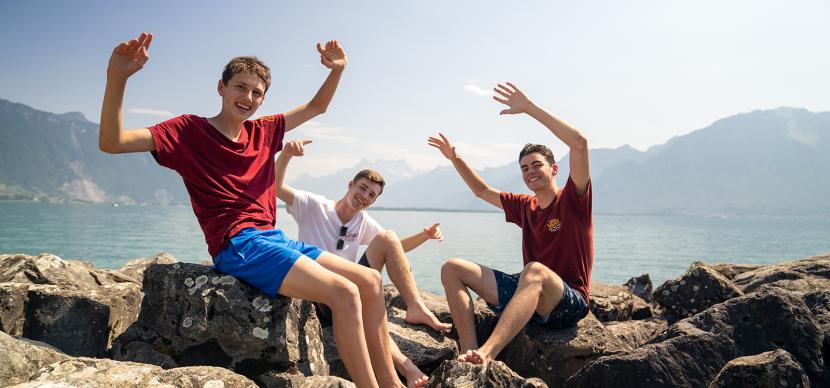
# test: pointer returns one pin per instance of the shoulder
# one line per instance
(268, 121)
(515, 197)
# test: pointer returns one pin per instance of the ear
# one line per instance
(351, 183)
(221, 88)
(555, 169)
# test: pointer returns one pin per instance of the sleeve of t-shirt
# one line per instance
(371, 228)
(274, 126)
(581, 204)
(512, 205)
(298, 206)
(168, 137)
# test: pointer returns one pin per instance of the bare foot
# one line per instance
(420, 315)
(414, 377)
(474, 357)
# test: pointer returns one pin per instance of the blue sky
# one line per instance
(623, 72)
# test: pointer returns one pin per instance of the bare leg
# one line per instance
(457, 276)
(540, 290)
(309, 280)
(414, 376)
(375, 327)
(386, 249)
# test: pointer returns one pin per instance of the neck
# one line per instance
(545, 196)
(344, 211)
(227, 125)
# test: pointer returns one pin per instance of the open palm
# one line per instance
(443, 145)
(129, 57)
(332, 55)
(516, 101)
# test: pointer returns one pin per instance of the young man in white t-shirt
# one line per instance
(341, 227)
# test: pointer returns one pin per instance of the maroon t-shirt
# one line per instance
(560, 236)
(231, 183)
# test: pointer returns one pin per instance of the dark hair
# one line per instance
(247, 64)
(541, 149)
(372, 176)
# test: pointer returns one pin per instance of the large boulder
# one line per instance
(97, 372)
(20, 359)
(815, 268)
(50, 269)
(773, 369)
(134, 269)
(453, 373)
(692, 351)
(554, 355)
(639, 332)
(617, 303)
(698, 289)
(197, 316)
(80, 323)
(730, 270)
(689, 360)
(13, 304)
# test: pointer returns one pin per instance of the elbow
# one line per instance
(317, 109)
(106, 148)
(581, 143)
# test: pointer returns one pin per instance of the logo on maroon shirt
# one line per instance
(267, 118)
(553, 225)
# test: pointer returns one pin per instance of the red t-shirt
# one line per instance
(231, 183)
(560, 236)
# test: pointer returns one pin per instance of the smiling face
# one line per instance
(362, 193)
(537, 172)
(242, 95)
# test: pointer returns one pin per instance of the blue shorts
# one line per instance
(567, 313)
(262, 258)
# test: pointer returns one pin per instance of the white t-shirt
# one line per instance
(319, 225)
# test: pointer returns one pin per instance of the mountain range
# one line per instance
(761, 162)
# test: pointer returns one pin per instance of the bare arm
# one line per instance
(333, 57)
(432, 232)
(477, 185)
(126, 59)
(293, 148)
(519, 103)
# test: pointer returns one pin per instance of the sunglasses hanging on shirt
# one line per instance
(341, 241)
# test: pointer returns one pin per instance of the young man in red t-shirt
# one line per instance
(226, 162)
(557, 240)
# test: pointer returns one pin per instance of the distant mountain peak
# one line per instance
(73, 116)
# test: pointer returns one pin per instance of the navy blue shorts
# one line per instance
(323, 311)
(567, 313)
(262, 258)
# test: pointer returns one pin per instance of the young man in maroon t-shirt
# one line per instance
(227, 164)
(557, 241)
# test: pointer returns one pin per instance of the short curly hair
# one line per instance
(541, 149)
(371, 176)
(247, 64)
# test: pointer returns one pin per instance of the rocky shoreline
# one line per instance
(158, 322)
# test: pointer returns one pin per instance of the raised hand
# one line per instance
(129, 57)
(295, 147)
(434, 232)
(513, 98)
(443, 145)
(332, 55)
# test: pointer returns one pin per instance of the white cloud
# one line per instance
(151, 112)
(475, 89)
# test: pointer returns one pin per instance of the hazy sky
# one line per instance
(623, 72)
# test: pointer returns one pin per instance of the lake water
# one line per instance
(625, 245)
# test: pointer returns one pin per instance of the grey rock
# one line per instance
(21, 359)
(326, 382)
(134, 269)
(637, 333)
(50, 269)
(809, 268)
(773, 369)
(554, 355)
(698, 289)
(13, 303)
(730, 271)
(641, 286)
(617, 303)
(457, 374)
(96, 372)
(200, 317)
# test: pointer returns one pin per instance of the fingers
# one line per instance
(503, 90)
(307, 142)
(501, 100)
(515, 89)
(320, 48)
(444, 137)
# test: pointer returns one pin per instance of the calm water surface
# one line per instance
(625, 246)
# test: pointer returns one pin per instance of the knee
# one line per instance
(388, 238)
(535, 272)
(450, 269)
(370, 281)
(345, 296)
